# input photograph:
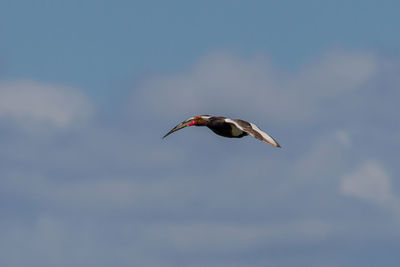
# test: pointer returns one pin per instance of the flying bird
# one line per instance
(226, 127)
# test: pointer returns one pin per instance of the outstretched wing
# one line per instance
(254, 131)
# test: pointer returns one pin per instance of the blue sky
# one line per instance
(103, 44)
(87, 89)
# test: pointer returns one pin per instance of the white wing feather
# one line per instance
(265, 137)
(268, 138)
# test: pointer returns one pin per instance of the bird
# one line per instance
(232, 128)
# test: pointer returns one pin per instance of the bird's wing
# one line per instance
(253, 130)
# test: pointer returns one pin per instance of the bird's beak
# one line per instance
(179, 126)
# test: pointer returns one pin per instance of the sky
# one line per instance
(88, 88)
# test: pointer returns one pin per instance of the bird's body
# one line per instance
(219, 126)
(226, 127)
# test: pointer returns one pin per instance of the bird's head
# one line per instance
(193, 121)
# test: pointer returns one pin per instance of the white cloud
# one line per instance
(343, 137)
(65, 241)
(335, 73)
(31, 103)
(222, 83)
(223, 236)
(325, 158)
(227, 199)
(370, 182)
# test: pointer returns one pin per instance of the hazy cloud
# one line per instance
(223, 82)
(112, 192)
(370, 182)
(30, 103)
